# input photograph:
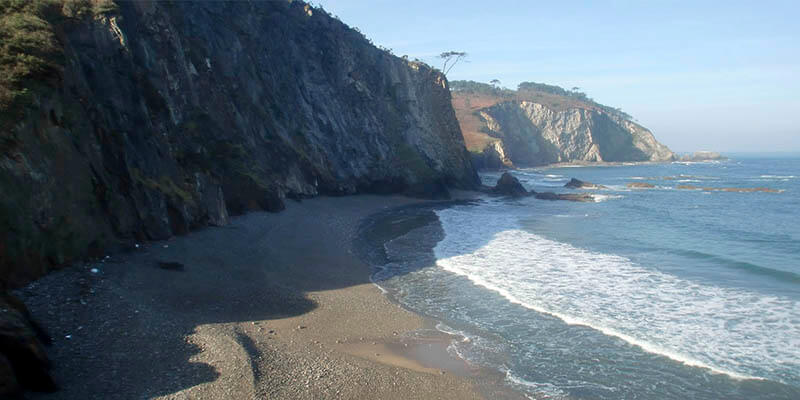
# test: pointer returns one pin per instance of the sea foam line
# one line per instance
(657, 312)
(570, 320)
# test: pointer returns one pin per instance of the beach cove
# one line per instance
(271, 306)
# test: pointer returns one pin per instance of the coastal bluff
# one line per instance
(149, 119)
(542, 124)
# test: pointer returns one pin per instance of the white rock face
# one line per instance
(533, 134)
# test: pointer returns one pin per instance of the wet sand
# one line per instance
(270, 306)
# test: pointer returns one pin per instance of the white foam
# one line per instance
(372, 277)
(441, 327)
(742, 334)
(547, 389)
(605, 197)
(778, 176)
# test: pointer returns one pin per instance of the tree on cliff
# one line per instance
(454, 56)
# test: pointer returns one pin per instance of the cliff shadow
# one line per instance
(130, 326)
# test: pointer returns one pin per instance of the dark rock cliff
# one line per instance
(169, 116)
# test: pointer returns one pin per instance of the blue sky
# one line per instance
(701, 75)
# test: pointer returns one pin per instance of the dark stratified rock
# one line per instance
(23, 361)
(157, 118)
(640, 185)
(579, 184)
(582, 197)
(508, 185)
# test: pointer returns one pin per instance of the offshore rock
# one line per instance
(169, 116)
(579, 184)
(508, 185)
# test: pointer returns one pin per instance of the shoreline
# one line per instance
(272, 305)
(582, 164)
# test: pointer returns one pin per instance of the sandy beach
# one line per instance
(270, 306)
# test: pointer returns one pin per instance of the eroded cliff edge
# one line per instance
(161, 117)
(542, 124)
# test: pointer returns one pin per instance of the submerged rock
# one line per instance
(640, 185)
(579, 197)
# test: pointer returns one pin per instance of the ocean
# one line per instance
(661, 293)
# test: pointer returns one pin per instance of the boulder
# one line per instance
(579, 184)
(640, 185)
(508, 185)
(23, 362)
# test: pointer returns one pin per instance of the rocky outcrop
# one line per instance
(533, 134)
(508, 185)
(23, 361)
(491, 158)
(579, 184)
(168, 116)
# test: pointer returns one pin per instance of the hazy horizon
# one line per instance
(720, 77)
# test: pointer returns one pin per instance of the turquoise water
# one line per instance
(646, 293)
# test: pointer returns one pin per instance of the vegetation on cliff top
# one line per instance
(31, 55)
(551, 96)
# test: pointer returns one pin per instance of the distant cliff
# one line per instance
(703, 156)
(542, 124)
(148, 119)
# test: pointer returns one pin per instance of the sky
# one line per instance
(702, 75)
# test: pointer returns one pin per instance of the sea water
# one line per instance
(646, 293)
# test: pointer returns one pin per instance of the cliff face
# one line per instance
(542, 124)
(169, 116)
(533, 134)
